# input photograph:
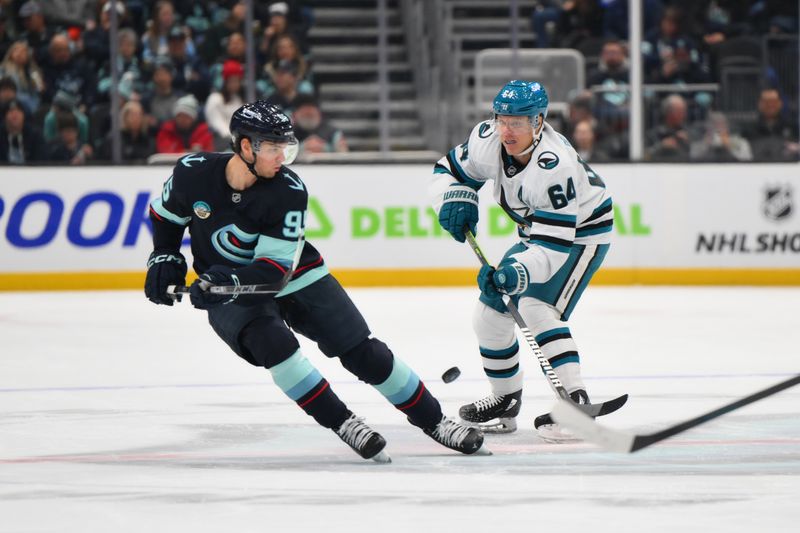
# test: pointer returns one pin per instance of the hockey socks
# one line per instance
(562, 353)
(502, 368)
(303, 383)
(407, 392)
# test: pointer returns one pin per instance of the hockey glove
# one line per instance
(511, 277)
(164, 268)
(216, 275)
(486, 282)
(459, 211)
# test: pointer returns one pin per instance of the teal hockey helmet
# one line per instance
(521, 98)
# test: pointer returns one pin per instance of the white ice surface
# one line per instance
(117, 416)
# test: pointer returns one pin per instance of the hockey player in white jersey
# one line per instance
(564, 216)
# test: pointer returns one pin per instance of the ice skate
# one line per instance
(549, 431)
(459, 437)
(363, 440)
(503, 408)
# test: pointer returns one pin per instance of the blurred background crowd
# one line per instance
(721, 76)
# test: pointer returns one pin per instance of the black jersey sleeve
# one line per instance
(169, 213)
(280, 231)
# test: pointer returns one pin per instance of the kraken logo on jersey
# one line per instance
(202, 210)
(234, 244)
(547, 160)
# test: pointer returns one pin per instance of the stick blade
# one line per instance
(570, 416)
(600, 409)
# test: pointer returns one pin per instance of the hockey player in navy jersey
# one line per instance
(246, 213)
(564, 216)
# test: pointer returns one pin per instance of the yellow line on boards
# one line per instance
(32, 281)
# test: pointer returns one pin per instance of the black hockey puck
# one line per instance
(451, 374)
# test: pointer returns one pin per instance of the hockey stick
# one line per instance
(264, 288)
(621, 441)
(595, 409)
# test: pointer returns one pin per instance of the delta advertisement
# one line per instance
(728, 222)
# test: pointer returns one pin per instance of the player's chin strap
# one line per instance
(532, 147)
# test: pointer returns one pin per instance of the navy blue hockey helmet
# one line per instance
(260, 121)
(521, 98)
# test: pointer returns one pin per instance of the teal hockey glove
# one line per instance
(511, 277)
(459, 211)
(486, 282)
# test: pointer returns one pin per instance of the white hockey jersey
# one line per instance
(556, 199)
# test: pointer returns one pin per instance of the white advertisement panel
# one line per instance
(378, 217)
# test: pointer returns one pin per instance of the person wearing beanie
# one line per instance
(221, 104)
(184, 132)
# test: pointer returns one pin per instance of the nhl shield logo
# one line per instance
(202, 210)
(236, 197)
(778, 202)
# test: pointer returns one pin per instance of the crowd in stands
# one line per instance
(181, 71)
(181, 67)
(691, 52)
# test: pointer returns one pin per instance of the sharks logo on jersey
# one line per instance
(547, 160)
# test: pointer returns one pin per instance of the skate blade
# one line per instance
(503, 425)
(381, 457)
(552, 434)
(483, 450)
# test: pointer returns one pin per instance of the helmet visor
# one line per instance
(289, 146)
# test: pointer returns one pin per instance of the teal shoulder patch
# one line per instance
(547, 160)
(485, 130)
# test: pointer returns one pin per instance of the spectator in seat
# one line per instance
(278, 25)
(64, 71)
(67, 146)
(128, 69)
(583, 140)
(313, 132)
(578, 20)
(65, 103)
(670, 54)
(235, 50)
(774, 135)
(287, 86)
(221, 104)
(213, 48)
(160, 96)
(97, 37)
(191, 75)
(20, 141)
(287, 49)
(670, 140)
(185, 133)
(719, 144)
(155, 41)
(612, 107)
(20, 65)
(36, 33)
(136, 136)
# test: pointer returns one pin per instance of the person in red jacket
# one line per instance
(184, 133)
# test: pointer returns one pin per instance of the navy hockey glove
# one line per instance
(459, 211)
(164, 268)
(511, 277)
(216, 275)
